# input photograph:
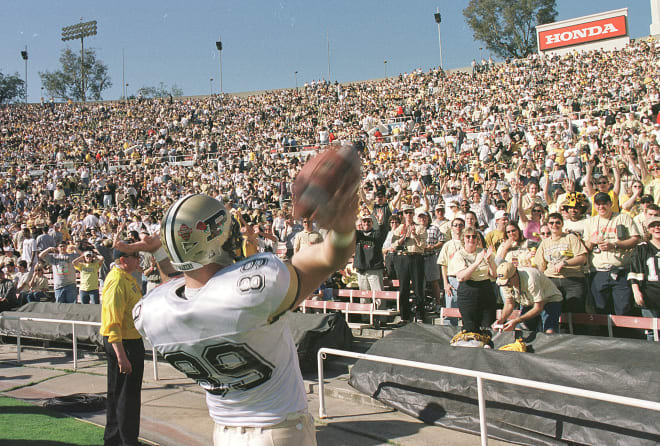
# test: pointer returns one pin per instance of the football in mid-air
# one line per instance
(335, 170)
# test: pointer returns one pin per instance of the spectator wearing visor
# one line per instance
(610, 237)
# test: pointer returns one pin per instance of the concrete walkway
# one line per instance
(174, 411)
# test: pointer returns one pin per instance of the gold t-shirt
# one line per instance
(566, 247)
(462, 259)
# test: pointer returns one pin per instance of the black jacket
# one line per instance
(369, 249)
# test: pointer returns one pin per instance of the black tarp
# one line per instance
(517, 414)
(313, 331)
(310, 331)
(61, 332)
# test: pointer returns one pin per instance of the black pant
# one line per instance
(124, 395)
(477, 303)
(410, 267)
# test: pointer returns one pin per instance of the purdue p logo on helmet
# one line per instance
(193, 231)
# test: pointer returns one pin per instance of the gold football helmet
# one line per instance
(194, 230)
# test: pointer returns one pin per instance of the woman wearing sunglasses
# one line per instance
(515, 247)
(474, 267)
(561, 258)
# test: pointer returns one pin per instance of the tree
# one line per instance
(65, 83)
(12, 88)
(508, 27)
(160, 92)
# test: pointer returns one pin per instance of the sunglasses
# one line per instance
(554, 223)
(408, 212)
(600, 183)
(470, 237)
(512, 231)
(545, 233)
(457, 226)
(538, 211)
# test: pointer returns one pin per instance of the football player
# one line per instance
(215, 322)
(644, 270)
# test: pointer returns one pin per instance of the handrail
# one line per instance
(480, 376)
(73, 336)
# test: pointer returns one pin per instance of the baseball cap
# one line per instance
(406, 207)
(421, 212)
(500, 214)
(652, 221)
(439, 206)
(505, 271)
(116, 253)
(88, 253)
(602, 197)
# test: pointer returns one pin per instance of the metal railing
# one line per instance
(73, 336)
(480, 376)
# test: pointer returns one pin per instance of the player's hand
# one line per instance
(152, 242)
(639, 298)
(449, 290)
(344, 213)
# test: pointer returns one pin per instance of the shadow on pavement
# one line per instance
(332, 433)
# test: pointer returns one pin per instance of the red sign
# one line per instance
(582, 33)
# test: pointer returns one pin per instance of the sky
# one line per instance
(264, 42)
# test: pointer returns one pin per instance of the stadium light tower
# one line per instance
(438, 19)
(218, 45)
(80, 31)
(385, 65)
(24, 55)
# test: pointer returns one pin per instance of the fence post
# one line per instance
(75, 346)
(155, 358)
(18, 342)
(322, 414)
(483, 427)
(609, 326)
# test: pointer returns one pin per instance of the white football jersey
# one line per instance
(222, 338)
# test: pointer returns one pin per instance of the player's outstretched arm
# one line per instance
(152, 244)
(316, 263)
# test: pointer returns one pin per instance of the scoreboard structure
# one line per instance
(602, 31)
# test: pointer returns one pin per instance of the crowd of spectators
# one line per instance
(553, 161)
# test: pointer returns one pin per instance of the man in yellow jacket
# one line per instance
(124, 349)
